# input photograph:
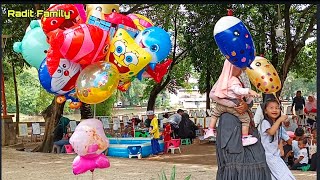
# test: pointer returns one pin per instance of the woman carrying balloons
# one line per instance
(229, 87)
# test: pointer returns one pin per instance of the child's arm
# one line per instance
(272, 131)
(281, 148)
(299, 159)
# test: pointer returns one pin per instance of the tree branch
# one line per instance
(287, 23)
(175, 37)
(300, 25)
(138, 7)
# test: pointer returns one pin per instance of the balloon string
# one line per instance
(275, 96)
(92, 175)
(94, 111)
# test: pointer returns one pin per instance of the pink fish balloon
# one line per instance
(82, 12)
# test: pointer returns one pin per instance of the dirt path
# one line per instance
(197, 160)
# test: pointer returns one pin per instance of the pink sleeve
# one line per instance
(239, 90)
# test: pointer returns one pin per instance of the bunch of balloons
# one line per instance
(86, 56)
(236, 44)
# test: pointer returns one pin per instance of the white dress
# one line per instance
(279, 169)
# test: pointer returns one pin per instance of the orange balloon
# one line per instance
(264, 76)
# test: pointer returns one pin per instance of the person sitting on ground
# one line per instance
(313, 150)
(290, 126)
(299, 135)
(230, 87)
(302, 159)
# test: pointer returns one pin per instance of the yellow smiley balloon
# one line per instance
(264, 76)
(127, 55)
(97, 82)
(99, 10)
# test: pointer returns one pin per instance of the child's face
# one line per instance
(236, 72)
(301, 145)
(273, 110)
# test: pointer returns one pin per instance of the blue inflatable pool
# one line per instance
(119, 146)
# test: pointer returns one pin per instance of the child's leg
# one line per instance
(213, 122)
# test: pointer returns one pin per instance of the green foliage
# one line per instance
(293, 84)
(163, 175)
(105, 108)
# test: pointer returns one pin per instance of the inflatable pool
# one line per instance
(119, 146)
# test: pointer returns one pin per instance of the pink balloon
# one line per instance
(82, 12)
(82, 164)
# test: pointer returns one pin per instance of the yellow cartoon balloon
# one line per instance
(99, 10)
(264, 76)
(127, 55)
(97, 82)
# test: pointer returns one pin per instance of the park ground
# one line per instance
(199, 160)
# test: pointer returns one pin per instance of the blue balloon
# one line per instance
(155, 41)
(33, 46)
(62, 81)
(234, 41)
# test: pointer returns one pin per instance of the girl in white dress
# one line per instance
(270, 137)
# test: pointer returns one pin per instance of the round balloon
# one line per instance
(234, 41)
(89, 141)
(52, 25)
(84, 44)
(33, 46)
(264, 76)
(58, 77)
(140, 21)
(128, 57)
(97, 82)
(156, 42)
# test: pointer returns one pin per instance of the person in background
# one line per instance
(165, 119)
(290, 126)
(299, 135)
(311, 110)
(187, 128)
(298, 103)
(167, 130)
(313, 150)
(154, 131)
(62, 133)
(174, 121)
(302, 157)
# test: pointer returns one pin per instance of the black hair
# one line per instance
(180, 111)
(166, 115)
(299, 131)
(299, 91)
(266, 116)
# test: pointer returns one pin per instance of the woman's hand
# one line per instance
(242, 107)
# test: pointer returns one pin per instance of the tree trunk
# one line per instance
(51, 115)
(86, 111)
(17, 98)
(154, 93)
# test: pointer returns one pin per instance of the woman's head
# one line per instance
(272, 109)
(310, 98)
(185, 116)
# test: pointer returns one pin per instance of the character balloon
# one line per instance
(84, 44)
(127, 55)
(89, 141)
(264, 76)
(52, 25)
(234, 41)
(155, 41)
(99, 10)
(97, 82)
(33, 46)
(140, 21)
(82, 12)
(58, 77)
